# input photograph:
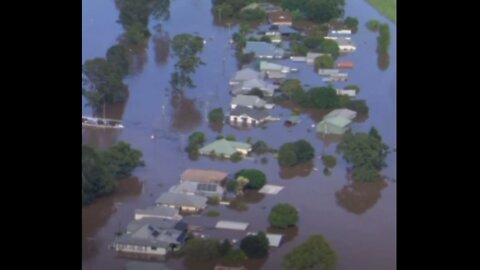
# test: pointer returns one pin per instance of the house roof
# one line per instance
(264, 65)
(313, 55)
(231, 225)
(139, 265)
(193, 187)
(203, 176)
(224, 147)
(159, 211)
(345, 113)
(257, 114)
(283, 29)
(336, 121)
(342, 41)
(179, 199)
(246, 74)
(254, 83)
(247, 101)
(279, 17)
(261, 48)
(152, 232)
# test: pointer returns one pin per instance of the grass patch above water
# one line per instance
(386, 7)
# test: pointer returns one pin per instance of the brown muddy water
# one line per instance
(358, 219)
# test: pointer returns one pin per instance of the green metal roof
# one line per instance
(224, 147)
(338, 121)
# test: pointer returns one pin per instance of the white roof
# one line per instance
(345, 113)
(270, 189)
(231, 225)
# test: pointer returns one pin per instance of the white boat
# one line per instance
(101, 122)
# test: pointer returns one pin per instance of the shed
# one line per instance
(231, 225)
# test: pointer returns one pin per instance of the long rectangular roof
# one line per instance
(203, 176)
(178, 199)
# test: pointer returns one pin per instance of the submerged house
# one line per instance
(247, 86)
(346, 92)
(245, 75)
(162, 212)
(226, 148)
(263, 50)
(203, 176)
(345, 113)
(267, 67)
(151, 236)
(334, 125)
(246, 115)
(250, 102)
(269, 29)
(183, 202)
(200, 189)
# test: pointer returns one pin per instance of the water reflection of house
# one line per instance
(242, 114)
(226, 148)
(183, 202)
(152, 237)
(200, 189)
(158, 212)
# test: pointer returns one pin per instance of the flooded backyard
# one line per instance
(358, 219)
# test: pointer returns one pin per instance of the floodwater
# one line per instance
(358, 219)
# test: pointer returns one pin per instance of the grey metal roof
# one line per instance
(153, 232)
(257, 114)
(246, 74)
(247, 101)
(160, 211)
(179, 200)
(247, 85)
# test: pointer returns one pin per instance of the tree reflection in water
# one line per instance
(358, 197)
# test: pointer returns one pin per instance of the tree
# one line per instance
(117, 56)
(260, 147)
(121, 159)
(329, 161)
(367, 154)
(315, 253)
(252, 14)
(290, 87)
(195, 141)
(216, 115)
(360, 106)
(324, 97)
(97, 180)
(324, 61)
(299, 49)
(322, 11)
(294, 153)
(199, 249)
(330, 47)
(351, 22)
(255, 246)
(283, 215)
(373, 25)
(256, 178)
(186, 45)
(374, 133)
(225, 247)
(312, 42)
(236, 256)
(105, 83)
(383, 39)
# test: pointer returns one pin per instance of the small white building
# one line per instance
(242, 114)
(346, 92)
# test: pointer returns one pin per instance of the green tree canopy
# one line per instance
(255, 246)
(256, 178)
(290, 87)
(117, 56)
(104, 83)
(314, 253)
(366, 152)
(293, 153)
(331, 47)
(199, 249)
(283, 215)
(216, 115)
(324, 61)
(122, 159)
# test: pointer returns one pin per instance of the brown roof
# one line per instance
(219, 267)
(279, 16)
(203, 176)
